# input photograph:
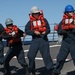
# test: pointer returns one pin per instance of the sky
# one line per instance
(18, 10)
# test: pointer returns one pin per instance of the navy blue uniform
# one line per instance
(1, 46)
(67, 46)
(39, 42)
(15, 49)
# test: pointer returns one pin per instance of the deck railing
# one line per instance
(53, 36)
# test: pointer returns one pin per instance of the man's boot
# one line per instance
(27, 70)
(32, 72)
(1, 62)
(55, 73)
(7, 73)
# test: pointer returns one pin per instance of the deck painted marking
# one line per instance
(49, 46)
(38, 58)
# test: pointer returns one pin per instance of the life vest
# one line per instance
(67, 22)
(38, 24)
(14, 29)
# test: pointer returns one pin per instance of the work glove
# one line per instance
(13, 33)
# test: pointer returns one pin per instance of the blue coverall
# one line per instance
(15, 49)
(41, 43)
(67, 46)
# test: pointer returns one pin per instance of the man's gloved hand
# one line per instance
(37, 32)
(44, 32)
(13, 33)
